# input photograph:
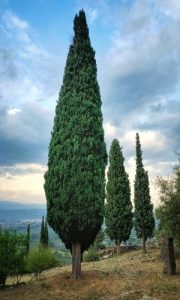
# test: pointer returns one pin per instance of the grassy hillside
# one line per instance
(128, 276)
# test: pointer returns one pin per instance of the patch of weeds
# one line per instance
(169, 288)
(128, 287)
(117, 271)
(105, 273)
(92, 296)
(45, 285)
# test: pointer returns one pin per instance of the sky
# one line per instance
(137, 46)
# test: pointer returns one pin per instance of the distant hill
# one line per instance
(13, 213)
(10, 205)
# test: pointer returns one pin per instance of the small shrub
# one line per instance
(40, 259)
(92, 255)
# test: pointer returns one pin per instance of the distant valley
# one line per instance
(17, 215)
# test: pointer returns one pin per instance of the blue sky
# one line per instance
(137, 46)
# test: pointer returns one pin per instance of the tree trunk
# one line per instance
(144, 245)
(118, 247)
(76, 260)
(3, 279)
(168, 255)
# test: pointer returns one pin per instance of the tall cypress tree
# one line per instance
(74, 182)
(42, 233)
(144, 218)
(28, 238)
(119, 207)
(46, 235)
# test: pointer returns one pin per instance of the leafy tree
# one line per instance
(18, 267)
(119, 208)
(13, 248)
(169, 211)
(74, 182)
(144, 218)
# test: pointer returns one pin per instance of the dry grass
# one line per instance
(129, 276)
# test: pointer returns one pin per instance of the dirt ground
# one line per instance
(128, 276)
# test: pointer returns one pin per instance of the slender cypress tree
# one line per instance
(42, 233)
(46, 235)
(144, 218)
(74, 182)
(119, 207)
(28, 238)
(44, 238)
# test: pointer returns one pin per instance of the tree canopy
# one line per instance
(74, 182)
(118, 208)
(144, 218)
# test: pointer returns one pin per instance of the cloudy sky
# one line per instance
(137, 45)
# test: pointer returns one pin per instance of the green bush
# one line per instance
(13, 249)
(92, 254)
(40, 259)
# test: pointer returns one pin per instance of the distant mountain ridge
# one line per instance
(10, 205)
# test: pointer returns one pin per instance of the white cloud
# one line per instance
(92, 14)
(110, 131)
(28, 124)
(11, 20)
(25, 64)
(150, 140)
(24, 186)
(13, 111)
(170, 8)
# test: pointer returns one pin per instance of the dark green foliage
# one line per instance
(44, 233)
(98, 243)
(74, 182)
(92, 254)
(119, 208)
(169, 211)
(13, 249)
(28, 238)
(40, 259)
(144, 219)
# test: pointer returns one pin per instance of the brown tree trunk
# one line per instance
(76, 260)
(144, 245)
(118, 247)
(168, 255)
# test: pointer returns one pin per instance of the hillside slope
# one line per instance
(128, 276)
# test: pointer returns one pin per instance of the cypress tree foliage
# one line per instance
(144, 218)
(42, 233)
(74, 182)
(46, 235)
(119, 207)
(28, 238)
(44, 239)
